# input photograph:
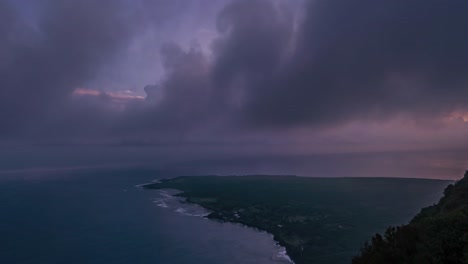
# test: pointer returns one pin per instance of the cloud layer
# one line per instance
(346, 61)
(262, 70)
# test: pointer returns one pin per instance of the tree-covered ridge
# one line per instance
(438, 234)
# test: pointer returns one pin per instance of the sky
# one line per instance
(310, 87)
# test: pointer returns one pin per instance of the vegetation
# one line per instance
(438, 234)
(318, 220)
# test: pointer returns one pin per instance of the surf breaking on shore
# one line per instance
(167, 199)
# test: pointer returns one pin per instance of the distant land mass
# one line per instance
(438, 234)
(317, 220)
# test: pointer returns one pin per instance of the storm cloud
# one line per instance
(352, 60)
(43, 63)
(273, 67)
(324, 72)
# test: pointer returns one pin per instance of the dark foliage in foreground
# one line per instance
(438, 234)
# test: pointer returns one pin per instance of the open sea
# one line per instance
(99, 216)
(71, 205)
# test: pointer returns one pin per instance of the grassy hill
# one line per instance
(438, 234)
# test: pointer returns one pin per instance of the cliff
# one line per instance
(438, 234)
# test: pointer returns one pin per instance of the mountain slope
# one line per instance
(438, 234)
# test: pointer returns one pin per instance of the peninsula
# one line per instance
(317, 220)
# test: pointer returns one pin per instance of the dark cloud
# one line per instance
(254, 39)
(45, 63)
(202, 93)
(369, 60)
(357, 80)
(270, 67)
(342, 61)
(181, 102)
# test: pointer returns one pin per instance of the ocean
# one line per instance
(97, 216)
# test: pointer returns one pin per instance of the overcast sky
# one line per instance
(382, 84)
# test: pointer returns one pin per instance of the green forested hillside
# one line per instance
(438, 234)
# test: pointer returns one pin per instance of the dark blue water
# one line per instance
(101, 217)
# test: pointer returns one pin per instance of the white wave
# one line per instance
(167, 199)
(161, 203)
(282, 254)
(165, 194)
(192, 211)
(148, 183)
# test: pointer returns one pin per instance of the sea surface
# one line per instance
(100, 216)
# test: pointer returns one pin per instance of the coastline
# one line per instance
(216, 217)
(307, 216)
(256, 228)
(212, 215)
